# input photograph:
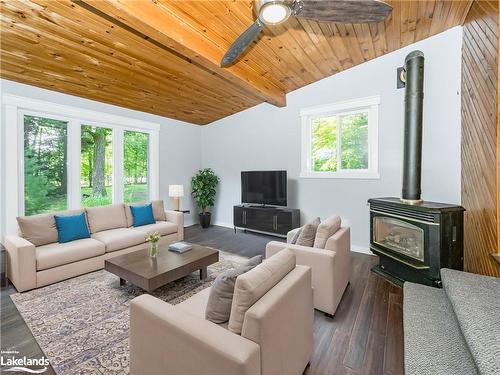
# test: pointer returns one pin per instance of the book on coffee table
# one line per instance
(180, 247)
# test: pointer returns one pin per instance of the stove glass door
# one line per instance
(399, 236)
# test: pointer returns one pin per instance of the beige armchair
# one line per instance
(331, 266)
(276, 333)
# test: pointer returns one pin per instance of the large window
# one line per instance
(135, 151)
(340, 140)
(68, 158)
(45, 164)
(96, 166)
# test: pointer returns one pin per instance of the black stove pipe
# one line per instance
(414, 96)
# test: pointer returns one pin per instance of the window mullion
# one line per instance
(118, 165)
(74, 136)
(339, 143)
(153, 165)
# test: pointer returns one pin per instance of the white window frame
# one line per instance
(16, 107)
(370, 104)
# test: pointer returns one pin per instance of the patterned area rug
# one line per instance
(82, 324)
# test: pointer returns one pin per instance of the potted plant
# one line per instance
(203, 185)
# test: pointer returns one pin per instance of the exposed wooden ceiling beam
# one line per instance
(164, 26)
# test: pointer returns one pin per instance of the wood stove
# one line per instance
(415, 241)
(414, 238)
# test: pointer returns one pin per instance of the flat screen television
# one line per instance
(264, 187)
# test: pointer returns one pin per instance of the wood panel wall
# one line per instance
(480, 188)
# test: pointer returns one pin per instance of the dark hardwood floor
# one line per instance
(364, 337)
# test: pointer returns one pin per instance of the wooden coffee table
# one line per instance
(149, 273)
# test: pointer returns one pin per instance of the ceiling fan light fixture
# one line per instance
(274, 12)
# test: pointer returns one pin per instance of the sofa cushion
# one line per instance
(196, 305)
(72, 227)
(252, 285)
(222, 291)
(325, 230)
(41, 229)
(106, 217)
(308, 233)
(158, 211)
(120, 238)
(143, 215)
(164, 228)
(58, 254)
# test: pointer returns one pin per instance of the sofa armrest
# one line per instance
(290, 234)
(274, 247)
(177, 218)
(167, 340)
(21, 262)
(330, 272)
(340, 241)
(282, 323)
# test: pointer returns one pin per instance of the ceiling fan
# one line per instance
(274, 12)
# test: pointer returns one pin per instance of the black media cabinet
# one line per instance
(273, 220)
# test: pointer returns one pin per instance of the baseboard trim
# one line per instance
(222, 224)
(227, 225)
(361, 250)
(354, 248)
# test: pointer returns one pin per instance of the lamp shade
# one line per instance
(175, 190)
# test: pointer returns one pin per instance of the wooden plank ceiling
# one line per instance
(162, 56)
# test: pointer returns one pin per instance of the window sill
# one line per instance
(342, 175)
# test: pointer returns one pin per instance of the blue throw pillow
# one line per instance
(72, 227)
(143, 215)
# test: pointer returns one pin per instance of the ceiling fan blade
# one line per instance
(345, 11)
(242, 43)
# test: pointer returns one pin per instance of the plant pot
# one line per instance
(205, 219)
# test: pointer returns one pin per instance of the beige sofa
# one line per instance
(270, 330)
(36, 259)
(331, 266)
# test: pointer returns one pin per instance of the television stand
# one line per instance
(277, 221)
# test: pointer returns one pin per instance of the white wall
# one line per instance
(180, 142)
(266, 137)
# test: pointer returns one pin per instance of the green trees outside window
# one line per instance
(324, 144)
(45, 172)
(135, 156)
(351, 148)
(46, 160)
(96, 157)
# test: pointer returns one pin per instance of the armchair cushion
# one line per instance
(254, 284)
(326, 229)
(308, 233)
(221, 294)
